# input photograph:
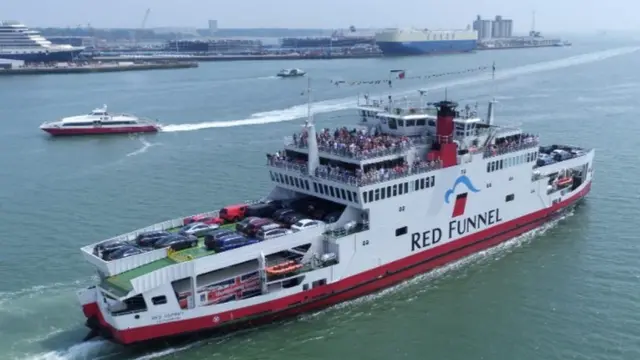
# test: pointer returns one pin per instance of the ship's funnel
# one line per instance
(447, 149)
(312, 142)
(490, 112)
(444, 123)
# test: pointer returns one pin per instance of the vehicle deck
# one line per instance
(121, 284)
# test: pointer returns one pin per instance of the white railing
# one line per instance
(115, 267)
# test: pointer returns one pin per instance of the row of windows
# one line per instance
(511, 161)
(323, 189)
(100, 122)
(399, 189)
(393, 123)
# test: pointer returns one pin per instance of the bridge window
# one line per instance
(401, 231)
(392, 124)
(509, 197)
(411, 123)
(159, 300)
(421, 122)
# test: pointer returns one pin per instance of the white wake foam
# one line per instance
(299, 111)
(145, 146)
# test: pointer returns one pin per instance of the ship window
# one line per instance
(370, 195)
(411, 123)
(401, 231)
(331, 190)
(295, 181)
(406, 187)
(399, 189)
(421, 122)
(392, 124)
(417, 184)
(400, 122)
(159, 300)
(488, 167)
(286, 179)
(432, 123)
(344, 196)
(509, 197)
(349, 195)
(281, 178)
(355, 197)
(315, 187)
(382, 194)
(422, 183)
(501, 163)
(326, 190)
(493, 165)
(395, 190)
(377, 192)
(317, 283)
(305, 287)
(433, 180)
(272, 177)
(306, 184)
(320, 188)
(388, 191)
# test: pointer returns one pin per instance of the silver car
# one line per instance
(198, 229)
(272, 233)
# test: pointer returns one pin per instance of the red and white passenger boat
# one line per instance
(414, 189)
(99, 122)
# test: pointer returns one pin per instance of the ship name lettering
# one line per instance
(476, 222)
(425, 239)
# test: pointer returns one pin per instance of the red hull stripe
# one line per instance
(102, 130)
(348, 288)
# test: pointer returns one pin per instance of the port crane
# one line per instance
(140, 31)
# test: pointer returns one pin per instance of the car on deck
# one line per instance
(198, 229)
(177, 242)
(306, 224)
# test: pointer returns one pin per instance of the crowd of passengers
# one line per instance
(358, 177)
(354, 142)
(511, 143)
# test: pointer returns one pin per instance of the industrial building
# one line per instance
(493, 29)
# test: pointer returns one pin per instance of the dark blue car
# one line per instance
(177, 242)
(231, 242)
(147, 239)
(123, 252)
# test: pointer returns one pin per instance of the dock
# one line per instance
(98, 68)
(239, 57)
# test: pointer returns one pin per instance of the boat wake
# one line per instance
(145, 146)
(299, 111)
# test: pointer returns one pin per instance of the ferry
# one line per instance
(18, 42)
(287, 73)
(398, 42)
(98, 122)
(352, 211)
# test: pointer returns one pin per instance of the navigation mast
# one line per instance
(314, 158)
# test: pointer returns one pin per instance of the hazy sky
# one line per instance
(551, 15)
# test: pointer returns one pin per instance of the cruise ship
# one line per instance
(426, 42)
(18, 42)
(352, 210)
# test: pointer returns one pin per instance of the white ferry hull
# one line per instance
(254, 311)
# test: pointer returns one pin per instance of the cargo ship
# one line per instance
(351, 212)
(394, 42)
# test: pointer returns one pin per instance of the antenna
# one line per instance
(309, 115)
(533, 21)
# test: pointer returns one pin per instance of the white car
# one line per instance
(198, 228)
(305, 224)
(272, 233)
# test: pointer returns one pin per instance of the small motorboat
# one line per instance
(286, 73)
(99, 121)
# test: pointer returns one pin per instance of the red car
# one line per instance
(203, 219)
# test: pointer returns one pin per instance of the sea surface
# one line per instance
(568, 291)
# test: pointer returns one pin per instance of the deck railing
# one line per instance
(349, 179)
(358, 154)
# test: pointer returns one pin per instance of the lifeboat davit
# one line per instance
(283, 268)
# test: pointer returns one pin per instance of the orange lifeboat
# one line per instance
(565, 181)
(283, 268)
